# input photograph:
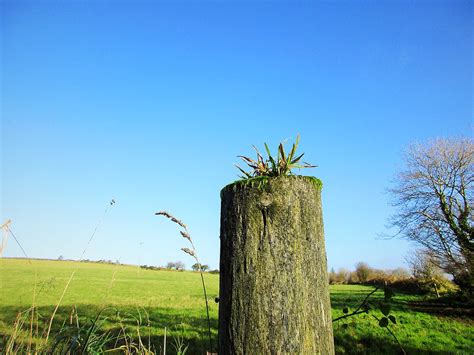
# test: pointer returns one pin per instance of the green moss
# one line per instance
(262, 181)
(316, 182)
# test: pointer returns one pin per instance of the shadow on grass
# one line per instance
(192, 327)
(342, 299)
(193, 330)
(346, 343)
(450, 307)
(440, 308)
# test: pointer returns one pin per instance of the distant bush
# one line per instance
(102, 261)
(424, 278)
(176, 265)
(428, 274)
(363, 272)
(197, 267)
(409, 286)
(342, 276)
(151, 267)
(416, 286)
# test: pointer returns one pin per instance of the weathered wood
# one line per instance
(274, 293)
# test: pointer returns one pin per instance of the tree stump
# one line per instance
(274, 289)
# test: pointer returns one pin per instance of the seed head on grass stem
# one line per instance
(186, 235)
(173, 219)
(189, 252)
(192, 252)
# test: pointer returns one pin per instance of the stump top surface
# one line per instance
(262, 181)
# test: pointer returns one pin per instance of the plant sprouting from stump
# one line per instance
(273, 166)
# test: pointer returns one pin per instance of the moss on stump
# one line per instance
(274, 290)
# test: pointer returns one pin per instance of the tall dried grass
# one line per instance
(192, 252)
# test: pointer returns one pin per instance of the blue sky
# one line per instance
(149, 103)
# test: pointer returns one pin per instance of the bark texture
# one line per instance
(274, 289)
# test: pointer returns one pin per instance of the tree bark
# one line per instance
(274, 289)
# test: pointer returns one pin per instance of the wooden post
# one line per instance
(274, 289)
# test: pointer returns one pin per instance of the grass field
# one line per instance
(174, 300)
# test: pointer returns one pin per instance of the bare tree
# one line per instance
(179, 265)
(363, 272)
(424, 269)
(434, 199)
(343, 276)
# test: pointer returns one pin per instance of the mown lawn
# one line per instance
(174, 300)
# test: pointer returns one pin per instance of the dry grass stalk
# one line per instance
(58, 304)
(112, 202)
(192, 252)
(173, 219)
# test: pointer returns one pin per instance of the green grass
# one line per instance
(174, 300)
(419, 332)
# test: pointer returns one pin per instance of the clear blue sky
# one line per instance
(150, 103)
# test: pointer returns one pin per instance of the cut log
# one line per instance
(274, 289)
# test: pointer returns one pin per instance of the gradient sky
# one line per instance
(149, 103)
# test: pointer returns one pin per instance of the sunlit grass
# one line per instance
(174, 300)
